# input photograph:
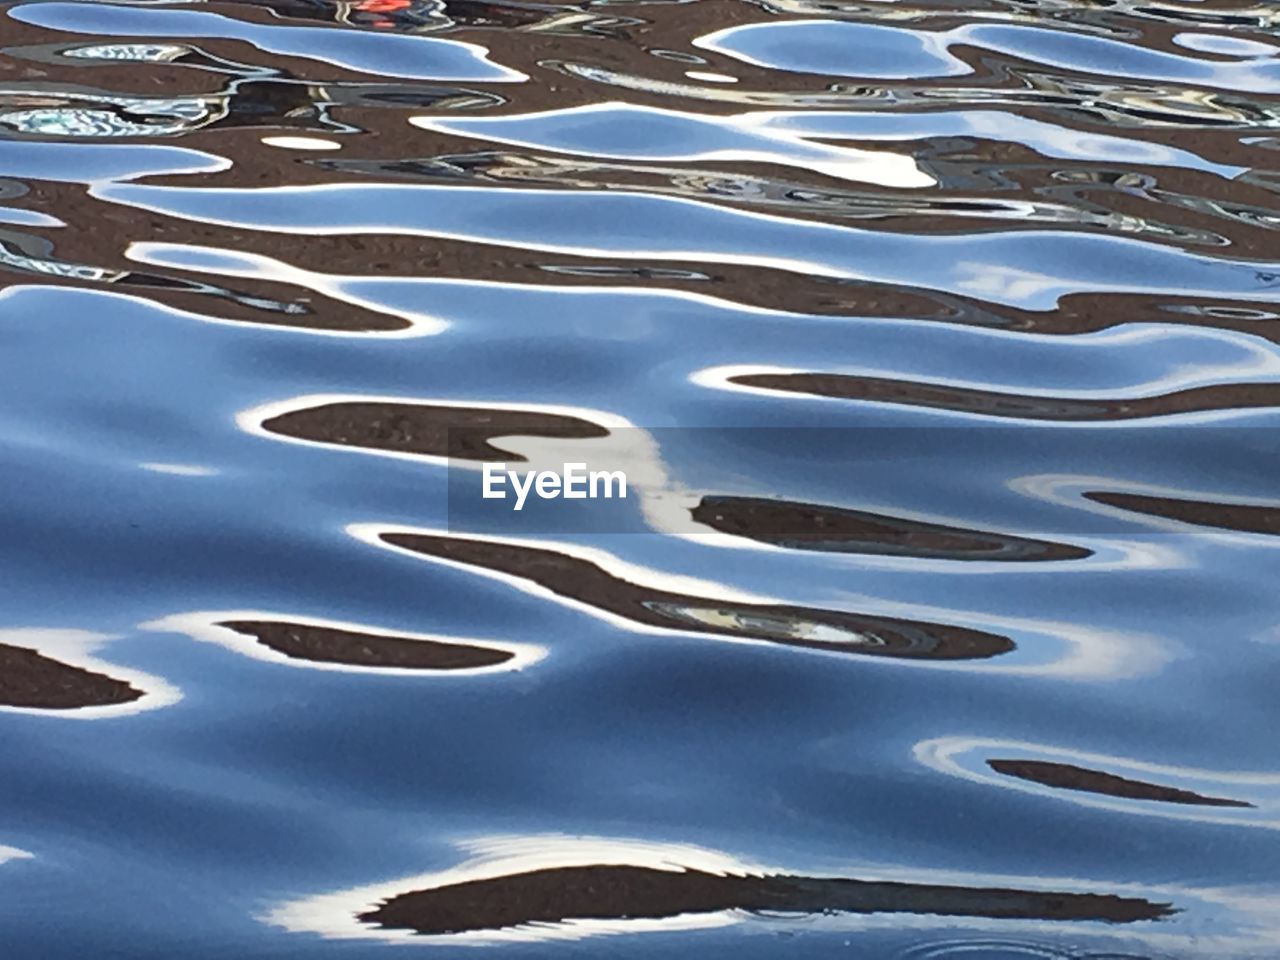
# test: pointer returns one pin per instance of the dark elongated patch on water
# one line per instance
(809, 526)
(1248, 518)
(331, 645)
(991, 403)
(627, 892)
(809, 627)
(463, 433)
(30, 679)
(1067, 776)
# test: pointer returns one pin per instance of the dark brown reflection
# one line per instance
(1012, 184)
(103, 230)
(30, 679)
(626, 892)
(798, 198)
(96, 258)
(331, 645)
(1226, 396)
(808, 627)
(808, 526)
(1227, 516)
(463, 433)
(1066, 776)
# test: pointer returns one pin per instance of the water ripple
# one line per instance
(422, 58)
(939, 344)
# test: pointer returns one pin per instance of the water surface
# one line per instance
(938, 343)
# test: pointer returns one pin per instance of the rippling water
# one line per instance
(937, 342)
